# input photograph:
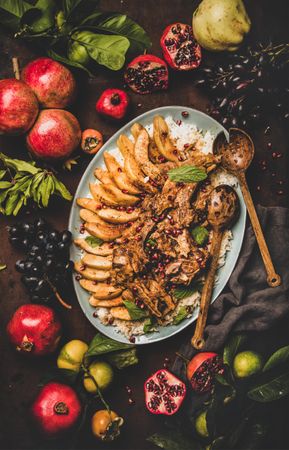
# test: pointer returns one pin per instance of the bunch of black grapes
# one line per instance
(47, 270)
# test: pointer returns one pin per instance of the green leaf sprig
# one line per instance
(200, 235)
(26, 183)
(135, 312)
(187, 174)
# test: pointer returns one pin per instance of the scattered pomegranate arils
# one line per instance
(201, 370)
(180, 49)
(146, 74)
(164, 393)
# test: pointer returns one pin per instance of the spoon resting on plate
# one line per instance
(223, 209)
(236, 156)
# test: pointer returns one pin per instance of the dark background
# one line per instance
(19, 377)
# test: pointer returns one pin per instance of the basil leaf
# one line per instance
(101, 344)
(19, 205)
(181, 292)
(173, 440)
(60, 189)
(279, 357)
(122, 25)
(200, 235)
(46, 189)
(11, 203)
(93, 241)
(232, 347)
(67, 61)
(277, 388)
(123, 358)
(11, 12)
(135, 312)
(181, 315)
(149, 325)
(3, 267)
(106, 50)
(187, 174)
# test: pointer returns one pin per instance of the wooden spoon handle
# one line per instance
(273, 279)
(198, 340)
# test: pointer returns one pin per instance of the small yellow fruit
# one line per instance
(201, 425)
(103, 375)
(71, 355)
(247, 363)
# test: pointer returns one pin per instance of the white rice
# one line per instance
(181, 134)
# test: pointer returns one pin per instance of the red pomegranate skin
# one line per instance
(34, 330)
(51, 423)
(113, 103)
(18, 107)
(52, 83)
(55, 134)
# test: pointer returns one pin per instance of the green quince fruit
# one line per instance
(221, 24)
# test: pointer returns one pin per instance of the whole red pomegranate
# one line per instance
(164, 393)
(56, 409)
(34, 329)
(55, 134)
(18, 107)
(146, 74)
(52, 83)
(201, 370)
(113, 103)
(180, 49)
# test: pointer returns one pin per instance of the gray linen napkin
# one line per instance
(248, 303)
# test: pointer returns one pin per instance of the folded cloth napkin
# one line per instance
(248, 303)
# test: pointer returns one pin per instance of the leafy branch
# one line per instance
(21, 181)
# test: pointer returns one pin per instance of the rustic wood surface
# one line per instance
(19, 377)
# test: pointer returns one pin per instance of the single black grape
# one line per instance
(29, 282)
(42, 288)
(41, 238)
(50, 248)
(28, 266)
(25, 243)
(40, 223)
(27, 228)
(66, 236)
(36, 299)
(36, 270)
(53, 236)
(15, 241)
(13, 231)
(20, 266)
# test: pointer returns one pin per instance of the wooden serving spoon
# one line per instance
(236, 156)
(223, 209)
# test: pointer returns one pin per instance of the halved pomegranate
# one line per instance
(201, 370)
(146, 74)
(164, 393)
(180, 49)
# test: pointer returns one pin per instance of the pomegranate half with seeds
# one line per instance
(146, 74)
(201, 370)
(180, 49)
(164, 393)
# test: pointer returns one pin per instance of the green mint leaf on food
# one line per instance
(123, 358)
(93, 241)
(181, 315)
(101, 344)
(187, 174)
(181, 292)
(149, 325)
(135, 312)
(200, 235)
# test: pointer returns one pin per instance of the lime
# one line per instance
(102, 373)
(71, 355)
(201, 425)
(247, 363)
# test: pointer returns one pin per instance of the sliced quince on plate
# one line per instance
(88, 216)
(120, 312)
(105, 303)
(162, 139)
(154, 155)
(89, 273)
(125, 145)
(105, 233)
(97, 262)
(101, 291)
(142, 155)
(101, 195)
(89, 203)
(103, 176)
(102, 250)
(118, 175)
(114, 216)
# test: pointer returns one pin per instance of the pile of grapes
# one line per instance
(47, 270)
(249, 86)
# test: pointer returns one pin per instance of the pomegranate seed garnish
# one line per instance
(124, 191)
(185, 114)
(178, 122)
(111, 320)
(269, 145)
(78, 277)
(130, 209)
(119, 169)
(111, 245)
(130, 401)
(161, 158)
(138, 238)
(94, 314)
(82, 231)
(175, 152)
(132, 339)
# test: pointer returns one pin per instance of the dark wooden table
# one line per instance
(19, 377)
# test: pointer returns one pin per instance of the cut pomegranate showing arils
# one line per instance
(164, 393)
(146, 74)
(180, 49)
(201, 370)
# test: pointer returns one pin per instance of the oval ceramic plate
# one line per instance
(203, 122)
